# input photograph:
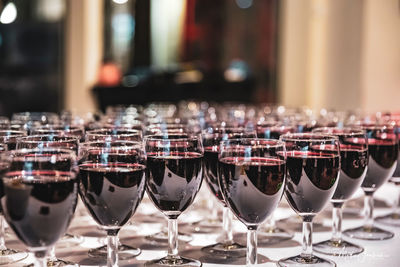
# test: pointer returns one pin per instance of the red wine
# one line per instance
(40, 207)
(210, 168)
(311, 180)
(382, 163)
(111, 192)
(173, 179)
(354, 161)
(252, 187)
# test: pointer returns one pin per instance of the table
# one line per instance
(377, 253)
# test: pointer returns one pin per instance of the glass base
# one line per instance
(59, 263)
(233, 250)
(124, 252)
(8, 256)
(162, 237)
(313, 261)
(337, 248)
(392, 219)
(174, 261)
(369, 233)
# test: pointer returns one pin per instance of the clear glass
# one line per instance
(383, 148)
(52, 172)
(169, 157)
(354, 161)
(7, 255)
(120, 167)
(313, 167)
(212, 136)
(252, 171)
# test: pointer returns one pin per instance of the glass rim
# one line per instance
(124, 143)
(276, 142)
(39, 151)
(64, 138)
(353, 131)
(22, 132)
(189, 137)
(100, 130)
(302, 137)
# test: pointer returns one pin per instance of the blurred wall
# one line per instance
(340, 54)
(84, 46)
(381, 55)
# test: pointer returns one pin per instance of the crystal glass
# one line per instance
(112, 180)
(173, 178)
(313, 167)
(252, 180)
(383, 151)
(43, 181)
(212, 137)
(354, 161)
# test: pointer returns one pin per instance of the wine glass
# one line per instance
(55, 141)
(212, 137)
(383, 150)
(7, 255)
(112, 180)
(40, 196)
(313, 166)
(354, 161)
(114, 134)
(252, 180)
(393, 218)
(173, 178)
(269, 230)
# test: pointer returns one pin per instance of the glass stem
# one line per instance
(172, 237)
(112, 248)
(40, 258)
(369, 210)
(270, 223)
(2, 234)
(251, 258)
(337, 217)
(52, 254)
(227, 226)
(307, 238)
(396, 205)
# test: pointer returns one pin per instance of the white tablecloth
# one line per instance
(377, 253)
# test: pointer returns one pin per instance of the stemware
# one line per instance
(313, 166)
(40, 196)
(112, 179)
(114, 134)
(173, 178)
(269, 231)
(7, 255)
(383, 150)
(212, 137)
(252, 180)
(354, 160)
(53, 141)
(393, 218)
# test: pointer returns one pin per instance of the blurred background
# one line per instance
(83, 55)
